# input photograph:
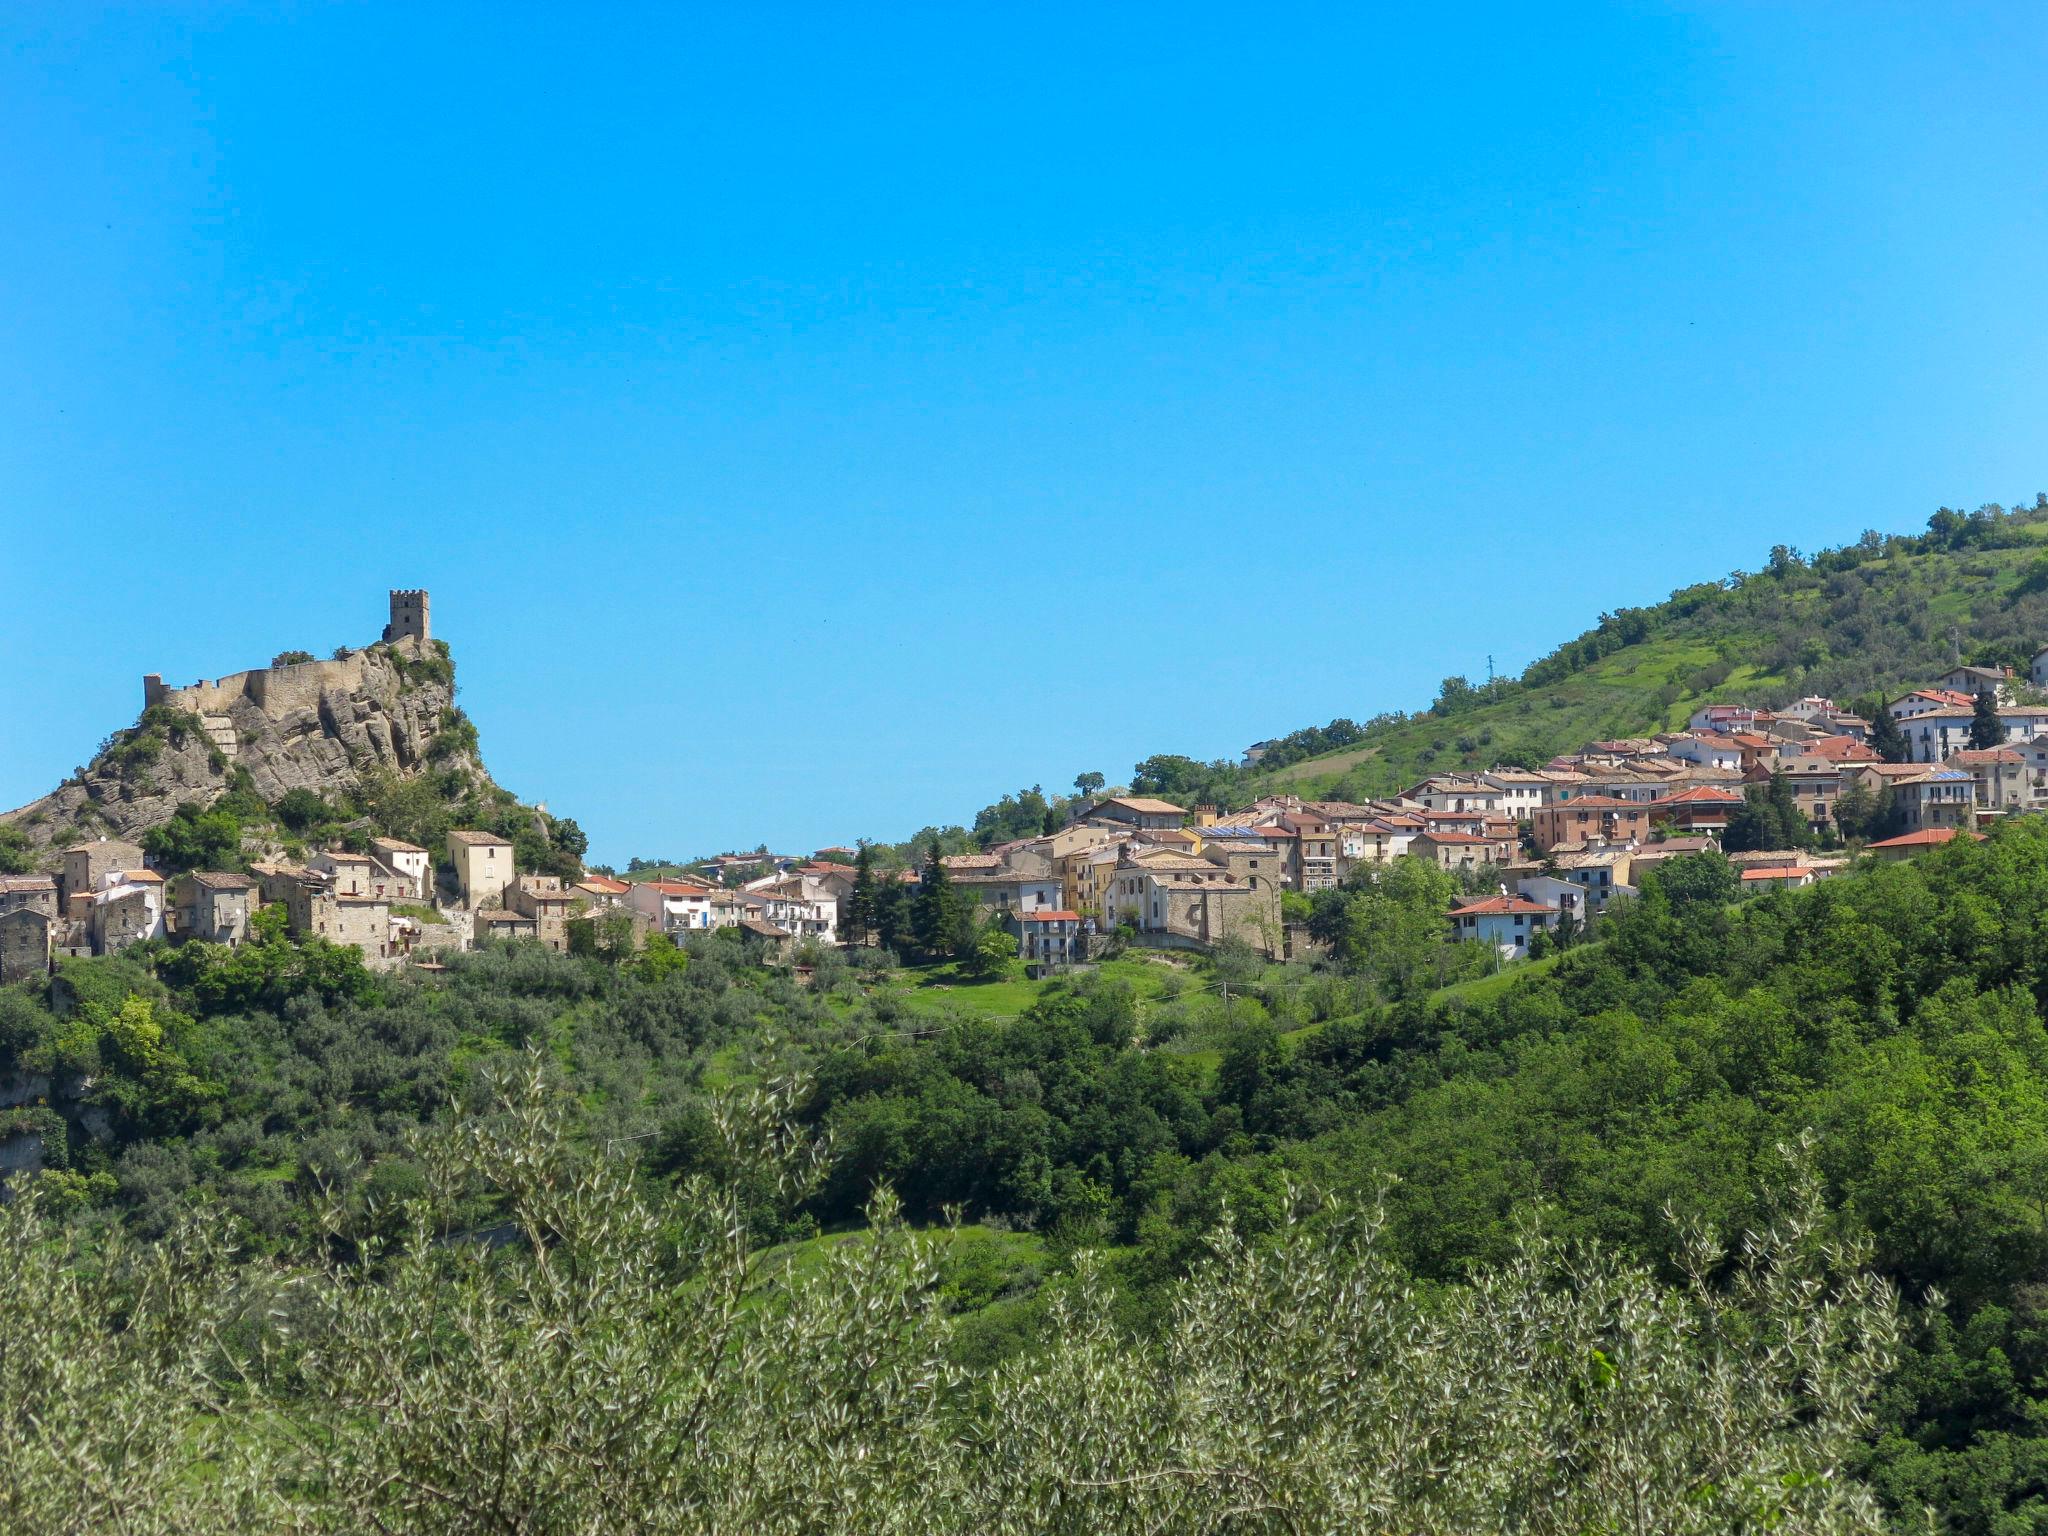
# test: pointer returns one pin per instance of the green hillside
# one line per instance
(1877, 615)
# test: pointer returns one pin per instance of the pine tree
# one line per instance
(1986, 729)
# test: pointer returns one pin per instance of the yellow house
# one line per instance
(483, 865)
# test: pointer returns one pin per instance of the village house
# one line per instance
(1933, 735)
(600, 893)
(1972, 681)
(1708, 751)
(1726, 718)
(1505, 922)
(1137, 811)
(130, 906)
(1309, 845)
(357, 874)
(1521, 790)
(1547, 890)
(25, 943)
(121, 916)
(1452, 792)
(1697, 809)
(674, 906)
(1046, 941)
(1590, 819)
(410, 863)
(1909, 844)
(503, 923)
(38, 893)
(2037, 673)
(1815, 782)
(1923, 700)
(1999, 778)
(211, 907)
(87, 865)
(2035, 756)
(1010, 892)
(1188, 901)
(1453, 850)
(483, 865)
(1601, 873)
(1782, 877)
(547, 901)
(796, 915)
(1940, 797)
(316, 908)
(1246, 855)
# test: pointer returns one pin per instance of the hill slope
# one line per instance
(1880, 615)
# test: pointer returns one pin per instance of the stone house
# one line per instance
(410, 863)
(1189, 900)
(483, 865)
(357, 874)
(1452, 850)
(1137, 811)
(542, 898)
(122, 915)
(1252, 859)
(315, 909)
(499, 923)
(38, 893)
(211, 907)
(87, 865)
(24, 944)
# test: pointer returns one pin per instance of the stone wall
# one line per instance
(24, 945)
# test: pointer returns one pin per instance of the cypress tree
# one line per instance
(1886, 739)
(862, 907)
(1986, 729)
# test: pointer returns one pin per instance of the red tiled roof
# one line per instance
(678, 888)
(1790, 872)
(1052, 917)
(1711, 794)
(1928, 837)
(1500, 906)
(1595, 803)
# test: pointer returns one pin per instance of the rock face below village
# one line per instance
(317, 725)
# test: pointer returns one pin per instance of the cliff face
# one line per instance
(316, 725)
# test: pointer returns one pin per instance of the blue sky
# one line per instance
(813, 422)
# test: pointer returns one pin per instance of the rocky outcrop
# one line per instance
(317, 725)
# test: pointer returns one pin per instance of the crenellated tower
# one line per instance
(408, 614)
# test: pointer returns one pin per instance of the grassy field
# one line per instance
(940, 989)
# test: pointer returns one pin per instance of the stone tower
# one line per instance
(408, 614)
